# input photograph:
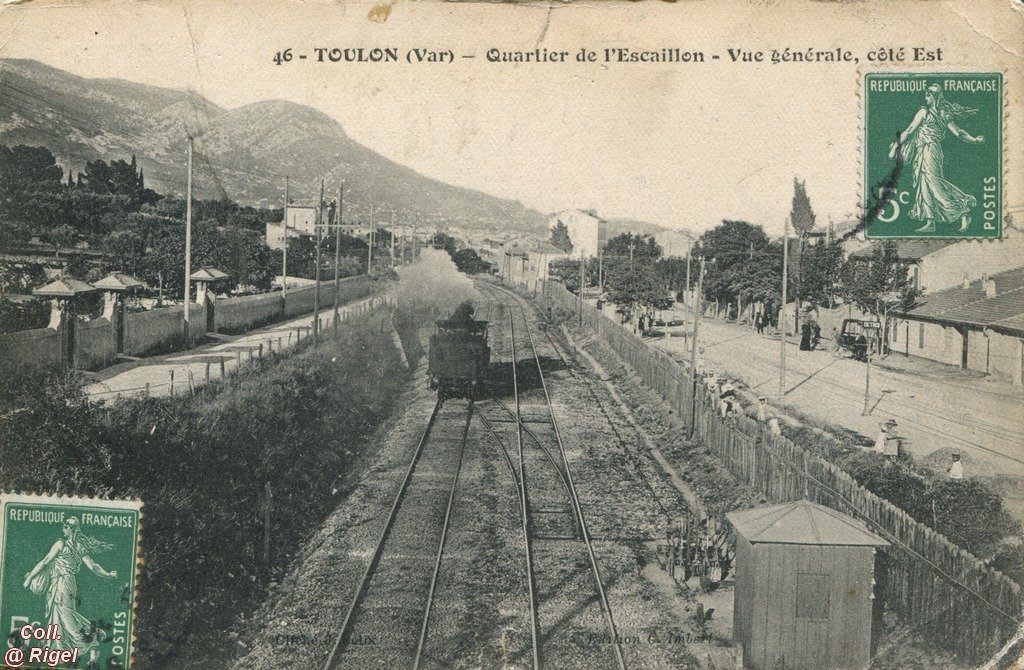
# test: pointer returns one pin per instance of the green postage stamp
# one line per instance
(933, 161)
(67, 581)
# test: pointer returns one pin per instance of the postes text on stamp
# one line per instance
(933, 164)
(67, 580)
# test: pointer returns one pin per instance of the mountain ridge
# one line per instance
(243, 153)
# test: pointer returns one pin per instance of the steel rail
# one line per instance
(339, 641)
(444, 538)
(530, 580)
(574, 497)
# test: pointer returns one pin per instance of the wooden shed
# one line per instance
(804, 587)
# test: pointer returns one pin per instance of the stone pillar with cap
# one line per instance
(203, 278)
(64, 312)
(115, 286)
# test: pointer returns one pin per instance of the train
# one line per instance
(459, 354)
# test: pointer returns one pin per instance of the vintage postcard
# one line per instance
(512, 335)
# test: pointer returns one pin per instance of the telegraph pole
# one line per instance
(369, 251)
(686, 294)
(337, 251)
(582, 263)
(695, 310)
(783, 318)
(284, 262)
(188, 241)
(316, 273)
(392, 238)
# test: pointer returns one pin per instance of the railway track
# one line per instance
(566, 593)
(388, 620)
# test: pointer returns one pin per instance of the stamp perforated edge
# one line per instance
(109, 502)
(861, 73)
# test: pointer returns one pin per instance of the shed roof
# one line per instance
(802, 522)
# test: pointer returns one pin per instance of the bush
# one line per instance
(18, 315)
(896, 482)
(201, 465)
(970, 514)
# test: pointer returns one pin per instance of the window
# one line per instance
(920, 336)
(812, 592)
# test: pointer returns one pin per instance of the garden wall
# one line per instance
(949, 596)
(29, 349)
(95, 344)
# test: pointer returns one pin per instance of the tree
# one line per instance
(469, 262)
(444, 241)
(633, 245)
(971, 514)
(747, 266)
(802, 218)
(879, 285)
(560, 237)
(638, 285)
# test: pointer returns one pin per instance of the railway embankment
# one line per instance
(234, 478)
(938, 597)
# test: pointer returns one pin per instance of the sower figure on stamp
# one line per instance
(936, 200)
(54, 576)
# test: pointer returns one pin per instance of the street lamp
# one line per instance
(872, 330)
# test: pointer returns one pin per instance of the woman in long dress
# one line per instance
(55, 575)
(936, 200)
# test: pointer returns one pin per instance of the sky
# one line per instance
(681, 145)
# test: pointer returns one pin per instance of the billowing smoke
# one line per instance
(431, 288)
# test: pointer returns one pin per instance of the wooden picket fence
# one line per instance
(943, 592)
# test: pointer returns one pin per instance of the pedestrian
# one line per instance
(892, 442)
(759, 323)
(883, 436)
(773, 426)
(762, 409)
(956, 469)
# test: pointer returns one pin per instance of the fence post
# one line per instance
(260, 353)
(222, 368)
(191, 382)
(238, 357)
(207, 372)
(172, 381)
(147, 389)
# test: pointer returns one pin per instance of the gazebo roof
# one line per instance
(118, 281)
(802, 522)
(208, 274)
(65, 287)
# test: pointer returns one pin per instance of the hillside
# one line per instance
(241, 153)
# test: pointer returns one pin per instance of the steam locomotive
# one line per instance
(459, 354)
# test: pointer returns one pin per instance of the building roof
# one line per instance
(906, 250)
(549, 249)
(64, 288)
(118, 281)
(802, 522)
(970, 306)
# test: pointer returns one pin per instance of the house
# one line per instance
(937, 264)
(977, 325)
(301, 221)
(528, 265)
(587, 231)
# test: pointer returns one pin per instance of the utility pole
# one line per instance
(783, 318)
(316, 273)
(686, 294)
(188, 242)
(337, 251)
(392, 238)
(284, 262)
(600, 269)
(695, 310)
(369, 251)
(582, 264)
